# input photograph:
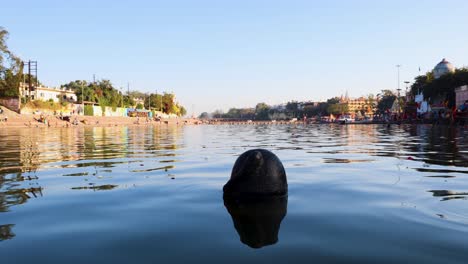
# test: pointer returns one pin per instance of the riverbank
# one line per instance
(36, 120)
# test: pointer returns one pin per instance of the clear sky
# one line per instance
(221, 53)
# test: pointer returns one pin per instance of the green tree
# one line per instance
(11, 68)
(262, 111)
(292, 108)
(441, 90)
(155, 101)
(337, 108)
(169, 104)
(101, 92)
(386, 101)
(218, 114)
(182, 111)
(128, 101)
(204, 115)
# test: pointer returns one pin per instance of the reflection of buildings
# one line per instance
(25, 151)
(439, 145)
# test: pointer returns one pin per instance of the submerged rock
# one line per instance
(257, 172)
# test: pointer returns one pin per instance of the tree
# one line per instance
(420, 82)
(182, 111)
(204, 115)
(337, 108)
(262, 111)
(386, 102)
(128, 101)
(11, 68)
(441, 90)
(292, 108)
(101, 92)
(218, 114)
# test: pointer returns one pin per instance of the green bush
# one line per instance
(38, 104)
(88, 110)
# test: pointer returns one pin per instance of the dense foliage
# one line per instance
(386, 101)
(165, 103)
(11, 68)
(105, 94)
(441, 90)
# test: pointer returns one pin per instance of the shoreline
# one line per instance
(32, 120)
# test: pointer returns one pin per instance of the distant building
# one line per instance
(358, 104)
(443, 68)
(461, 95)
(138, 101)
(422, 105)
(46, 93)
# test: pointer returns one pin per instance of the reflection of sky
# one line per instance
(181, 170)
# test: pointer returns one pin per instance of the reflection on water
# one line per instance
(353, 190)
(96, 187)
(449, 195)
(6, 232)
(257, 221)
(24, 151)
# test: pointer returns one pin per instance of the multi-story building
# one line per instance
(46, 93)
(359, 104)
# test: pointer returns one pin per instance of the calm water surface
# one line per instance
(357, 194)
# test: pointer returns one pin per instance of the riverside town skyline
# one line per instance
(210, 53)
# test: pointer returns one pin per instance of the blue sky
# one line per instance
(222, 54)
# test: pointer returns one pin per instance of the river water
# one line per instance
(357, 194)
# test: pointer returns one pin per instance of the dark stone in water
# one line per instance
(257, 221)
(257, 172)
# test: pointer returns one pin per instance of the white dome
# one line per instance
(442, 68)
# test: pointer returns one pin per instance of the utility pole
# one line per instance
(29, 78)
(32, 70)
(82, 98)
(121, 94)
(398, 70)
(398, 89)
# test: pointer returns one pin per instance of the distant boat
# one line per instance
(345, 119)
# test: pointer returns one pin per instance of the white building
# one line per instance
(443, 68)
(461, 95)
(45, 93)
(423, 106)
